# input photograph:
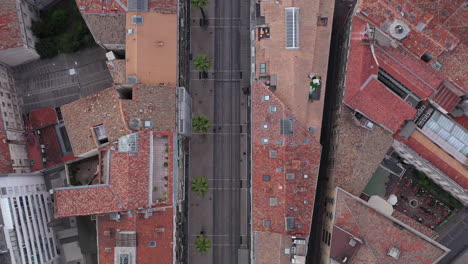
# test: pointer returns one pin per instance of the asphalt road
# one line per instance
(222, 213)
(456, 238)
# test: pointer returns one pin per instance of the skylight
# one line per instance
(292, 27)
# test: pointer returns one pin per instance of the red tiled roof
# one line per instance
(146, 232)
(91, 200)
(299, 154)
(10, 33)
(447, 98)
(43, 117)
(419, 77)
(441, 36)
(98, 6)
(380, 105)
(114, 6)
(127, 188)
(449, 13)
(150, 102)
(365, 93)
(437, 40)
(380, 234)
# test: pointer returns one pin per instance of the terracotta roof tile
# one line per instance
(297, 157)
(43, 117)
(106, 29)
(149, 102)
(381, 105)
(379, 234)
(127, 188)
(115, 6)
(10, 33)
(146, 232)
(359, 152)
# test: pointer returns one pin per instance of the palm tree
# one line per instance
(200, 185)
(202, 244)
(201, 124)
(202, 63)
(201, 4)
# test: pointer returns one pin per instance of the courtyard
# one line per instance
(423, 200)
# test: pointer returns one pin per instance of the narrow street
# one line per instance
(221, 154)
(336, 61)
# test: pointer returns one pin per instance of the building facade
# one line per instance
(16, 37)
(26, 210)
(13, 142)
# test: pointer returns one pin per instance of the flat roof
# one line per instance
(151, 50)
(292, 67)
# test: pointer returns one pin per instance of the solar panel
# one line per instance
(138, 5)
(286, 126)
(292, 27)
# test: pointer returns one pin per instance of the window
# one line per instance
(273, 201)
(265, 140)
(5, 114)
(273, 154)
(290, 176)
(398, 88)
(266, 223)
(266, 178)
(8, 95)
(125, 93)
(6, 123)
(273, 109)
(124, 259)
(152, 244)
(322, 21)
(137, 20)
(1, 93)
(263, 68)
(265, 126)
(265, 97)
(292, 27)
(100, 134)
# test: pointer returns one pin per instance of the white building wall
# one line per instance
(13, 122)
(25, 205)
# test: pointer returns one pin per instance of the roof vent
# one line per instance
(436, 65)
(394, 252)
(134, 123)
(399, 30)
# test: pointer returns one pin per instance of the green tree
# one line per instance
(202, 244)
(202, 63)
(201, 124)
(201, 4)
(46, 48)
(200, 185)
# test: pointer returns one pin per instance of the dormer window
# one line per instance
(100, 134)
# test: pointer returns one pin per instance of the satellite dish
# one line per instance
(134, 123)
